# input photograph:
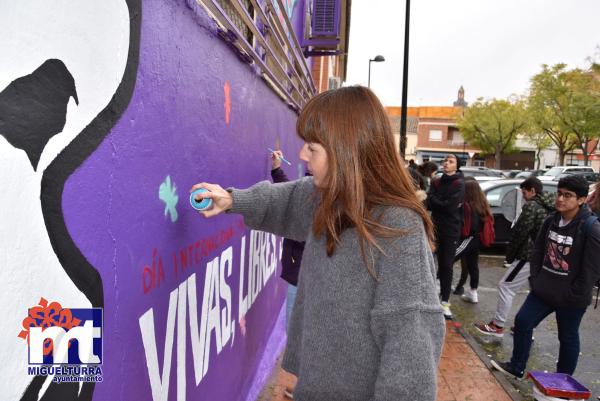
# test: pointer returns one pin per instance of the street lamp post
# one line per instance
(377, 59)
(405, 82)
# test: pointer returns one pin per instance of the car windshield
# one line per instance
(554, 172)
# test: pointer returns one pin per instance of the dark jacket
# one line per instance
(291, 255)
(444, 199)
(525, 230)
(417, 179)
(564, 264)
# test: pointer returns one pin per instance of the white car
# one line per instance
(555, 172)
(506, 200)
(479, 173)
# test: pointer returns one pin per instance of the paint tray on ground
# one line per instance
(539, 396)
(560, 385)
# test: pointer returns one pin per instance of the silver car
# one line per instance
(506, 200)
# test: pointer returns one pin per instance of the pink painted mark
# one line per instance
(243, 326)
(227, 91)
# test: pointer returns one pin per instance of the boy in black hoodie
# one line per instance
(564, 268)
(444, 199)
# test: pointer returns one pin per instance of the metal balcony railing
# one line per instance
(262, 35)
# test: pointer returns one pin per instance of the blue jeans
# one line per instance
(532, 312)
(290, 300)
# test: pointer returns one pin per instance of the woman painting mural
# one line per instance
(367, 323)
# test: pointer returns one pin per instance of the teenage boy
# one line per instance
(445, 198)
(535, 210)
(564, 268)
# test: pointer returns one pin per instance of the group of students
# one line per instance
(552, 250)
(365, 317)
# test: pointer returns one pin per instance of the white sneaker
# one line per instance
(447, 311)
(470, 296)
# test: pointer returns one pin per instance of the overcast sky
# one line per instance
(491, 47)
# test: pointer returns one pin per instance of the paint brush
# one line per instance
(280, 157)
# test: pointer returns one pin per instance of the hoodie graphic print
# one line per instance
(557, 253)
(564, 263)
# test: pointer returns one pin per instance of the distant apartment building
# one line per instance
(412, 123)
(438, 135)
(432, 133)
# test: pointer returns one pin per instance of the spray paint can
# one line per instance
(203, 204)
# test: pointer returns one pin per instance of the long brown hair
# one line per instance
(593, 200)
(364, 167)
(476, 198)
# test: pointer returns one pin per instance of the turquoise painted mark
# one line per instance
(290, 5)
(167, 192)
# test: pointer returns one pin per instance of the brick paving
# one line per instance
(462, 376)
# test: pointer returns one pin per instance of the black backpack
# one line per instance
(586, 228)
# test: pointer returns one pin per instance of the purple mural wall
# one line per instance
(189, 304)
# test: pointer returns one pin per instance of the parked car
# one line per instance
(503, 173)
(510, 173)
(558, 170)
(589, 177)
(505, 199)
(530, 173)
(479, 173)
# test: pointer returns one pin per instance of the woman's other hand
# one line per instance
(276, 159)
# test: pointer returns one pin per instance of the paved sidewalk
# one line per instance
(462, 376)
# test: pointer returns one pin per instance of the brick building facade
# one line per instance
(433, 133)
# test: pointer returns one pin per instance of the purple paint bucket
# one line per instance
(560, 385)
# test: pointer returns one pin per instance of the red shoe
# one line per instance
(490, 329)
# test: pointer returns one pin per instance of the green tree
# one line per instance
(540, 140)
(493, 125)
(545, 120)
(564, 105)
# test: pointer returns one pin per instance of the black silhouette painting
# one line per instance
(33, 108)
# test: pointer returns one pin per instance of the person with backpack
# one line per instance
(564, 268)
(536, 208)
(444, 199)
(477, 211)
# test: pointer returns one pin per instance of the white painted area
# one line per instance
(212, 319)
(92, 39)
